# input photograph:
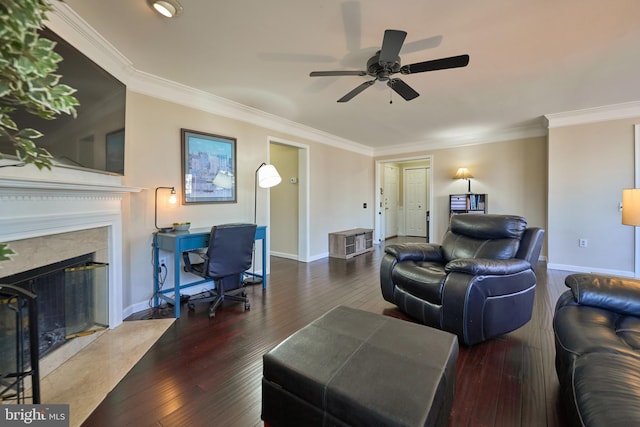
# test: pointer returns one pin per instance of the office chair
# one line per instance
(228, 256)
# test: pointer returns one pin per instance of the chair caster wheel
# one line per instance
(247, 306)
(191, 306)
(212, 315)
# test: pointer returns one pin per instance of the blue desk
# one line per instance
(181, 241)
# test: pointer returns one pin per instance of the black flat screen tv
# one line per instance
(95, 139)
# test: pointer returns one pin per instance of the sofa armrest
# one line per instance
(611, 293)
(415, 251)
(484, 266)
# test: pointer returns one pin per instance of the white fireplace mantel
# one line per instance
(58, 185)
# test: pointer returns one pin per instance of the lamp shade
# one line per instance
(462, 173)
(268, 176)
(631, 206)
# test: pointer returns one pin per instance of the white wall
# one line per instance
(589, 165)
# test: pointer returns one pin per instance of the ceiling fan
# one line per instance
(386, 62)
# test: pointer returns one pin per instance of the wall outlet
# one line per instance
(162, 261)
(583, 243)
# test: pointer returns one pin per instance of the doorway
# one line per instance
(390, 200)
(289, 201)
(416, 201)
(412, 214)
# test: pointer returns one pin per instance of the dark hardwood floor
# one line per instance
(207, 372)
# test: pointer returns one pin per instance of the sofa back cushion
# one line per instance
(483, 236)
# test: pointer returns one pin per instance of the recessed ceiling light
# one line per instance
(167, 8)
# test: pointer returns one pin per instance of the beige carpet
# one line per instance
(86, 378)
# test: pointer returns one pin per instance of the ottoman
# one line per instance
(352, 367)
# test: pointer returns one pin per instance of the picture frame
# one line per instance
(114, 151)
(208, 168)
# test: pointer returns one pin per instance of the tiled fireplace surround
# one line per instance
(65, 216)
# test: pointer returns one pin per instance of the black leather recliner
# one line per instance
(597, 337)
(478, 284)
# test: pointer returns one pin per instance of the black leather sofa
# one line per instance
(478, 284)
(597, 335)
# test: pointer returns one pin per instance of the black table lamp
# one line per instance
(172, 200)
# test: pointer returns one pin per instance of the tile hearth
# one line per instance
(86, 378)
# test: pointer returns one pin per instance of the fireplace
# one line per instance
(71, 302)
(48, 217)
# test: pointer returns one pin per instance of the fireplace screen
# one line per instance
(85, 298)
(71, 298)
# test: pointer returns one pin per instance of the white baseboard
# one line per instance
(285, 255)
(583, 269)
(319, 256)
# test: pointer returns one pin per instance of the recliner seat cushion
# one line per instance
(423, 280)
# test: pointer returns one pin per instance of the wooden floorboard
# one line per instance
(207, 372)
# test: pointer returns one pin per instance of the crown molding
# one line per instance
(70, 26)
(157, 87)
(65, 22)
(535, 129)
(625, 110)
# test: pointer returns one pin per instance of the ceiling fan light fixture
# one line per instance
(166, 8)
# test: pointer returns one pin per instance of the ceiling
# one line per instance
(528, 58)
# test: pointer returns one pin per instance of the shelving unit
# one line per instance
(349, 243)
(467, 203)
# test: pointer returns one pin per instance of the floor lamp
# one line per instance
(463, 173)
(267, 176)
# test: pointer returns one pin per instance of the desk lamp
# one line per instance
(267, 176)
(172, 200)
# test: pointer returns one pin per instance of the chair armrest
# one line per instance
(415, 251)
(484, 266)
(611, 293)
(191, 267)
(187, 261)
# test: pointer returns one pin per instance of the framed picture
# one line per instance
(114, 143)
(208, 168)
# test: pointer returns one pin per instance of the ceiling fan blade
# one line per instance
(391, 45)
(356, 91)
(403, 89)
(337, 73)
(436, 64)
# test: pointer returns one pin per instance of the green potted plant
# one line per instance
(28, 79)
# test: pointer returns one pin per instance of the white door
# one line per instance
(390, 200)
(415, 201)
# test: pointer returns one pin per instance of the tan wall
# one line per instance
(589, 165)
(512, 173)
(339, 182)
